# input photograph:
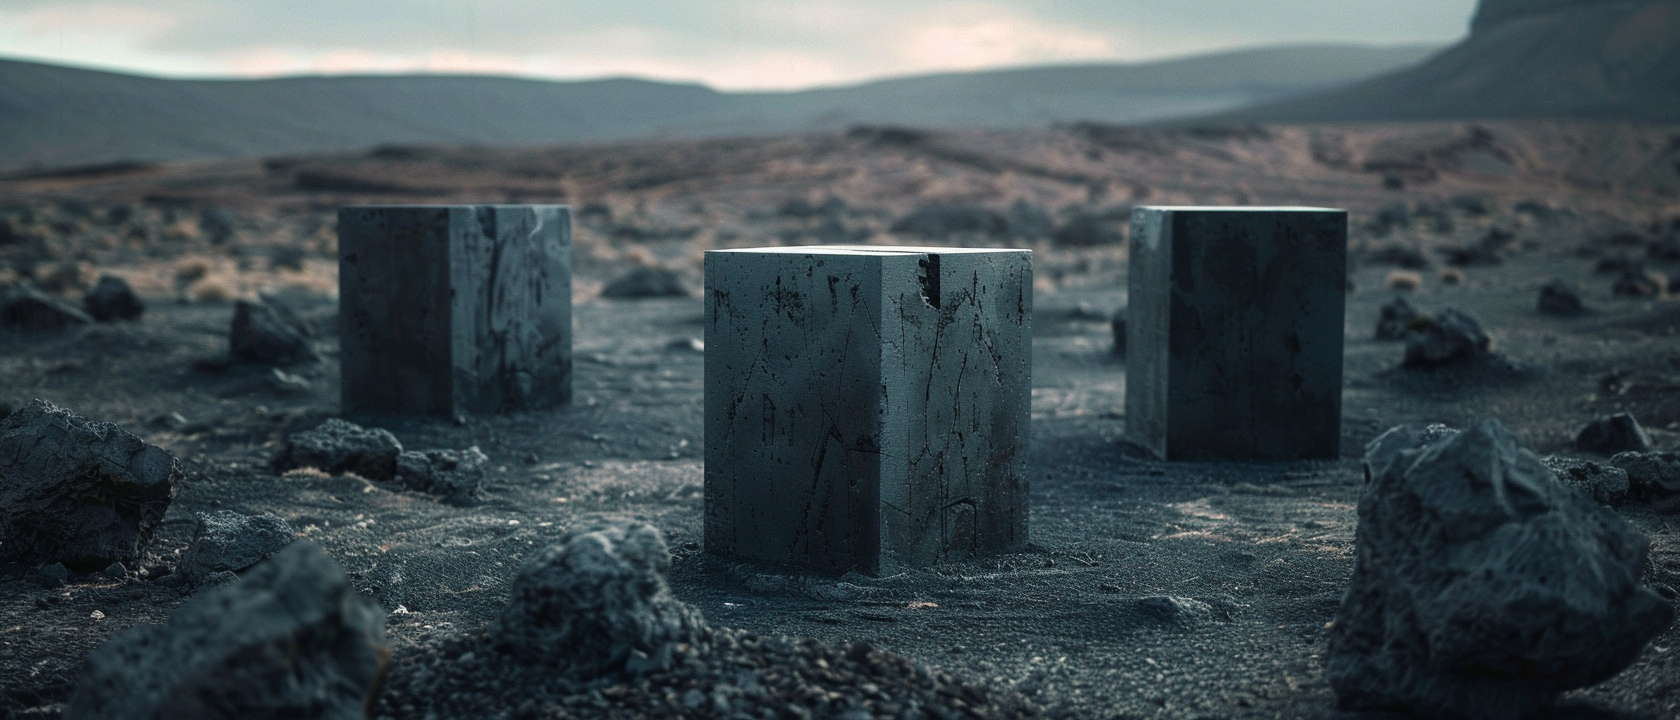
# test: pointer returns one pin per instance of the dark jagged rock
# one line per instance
(1028, 221)
(338, 446)
(1614, 434)
(1637, 282)
(112, 299)
(1606, 484)
(595, 600)
(1482, 587)
(1651, 475)
(645, 283)
(1558, 298)
(268, 333)
(1087, 230)
(455, 475)
(1399, 320)
(217, 225)
(292, 639)
(1451, 335)
(23, 307)
(82, 493)
(1398, 256)
(226, 541)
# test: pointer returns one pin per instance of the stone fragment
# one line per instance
(1235, 332)
(645, 283)
(1558, 298)
(112, 299)
(1399, 320)
(1651, 475)
(291, 639)
(268, 333)
(448, 310)
(288, 383)
(22, 307)
(1482, 587)
(866, 407)
(226, 541)
(1614, 434)
(1174, 610)
(85, 494)
(1449, 336)
(338, 446)
(455, 475)
(596, 599)
(217, 224)
(1605, 484)
(1637, 282)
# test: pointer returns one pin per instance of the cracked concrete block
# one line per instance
(1234, 345)
(455, 309)
(866, 407)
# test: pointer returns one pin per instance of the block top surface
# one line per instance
(870, 250)
(1231, 208)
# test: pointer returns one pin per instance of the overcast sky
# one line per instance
(729, 44)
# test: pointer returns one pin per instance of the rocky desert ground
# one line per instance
(1150, 589)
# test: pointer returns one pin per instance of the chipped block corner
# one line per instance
(455, 309)
(866, 406)
(1235, 332)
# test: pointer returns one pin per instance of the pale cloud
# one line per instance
(729, 44)
(993, 43)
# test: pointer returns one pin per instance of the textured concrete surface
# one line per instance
(866, 407)
(1236, 332)
(452, 309)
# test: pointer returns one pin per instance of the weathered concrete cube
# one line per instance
(866, 407)
(455, 309)
(1235, 335)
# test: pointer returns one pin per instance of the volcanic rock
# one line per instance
(1399, 320)
(1399, 256)
(1636, 282)
(112, 299)
(226, 541)
(1650, 474)
(23, 307)
(1451, 335)
(596, 599)
(292, 639)
(1614, 434)
(455, 475)
(1087, 230)
(1482, 587)
(268, 333)
(82, 493)
(338, 446)
(1606, 484)
(1558, 298)
(645, 283)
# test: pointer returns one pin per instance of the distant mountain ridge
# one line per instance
(52, 116)
(1578, 59)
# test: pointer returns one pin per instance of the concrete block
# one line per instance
(455, 309)
(1234, 345)
(866, 407)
